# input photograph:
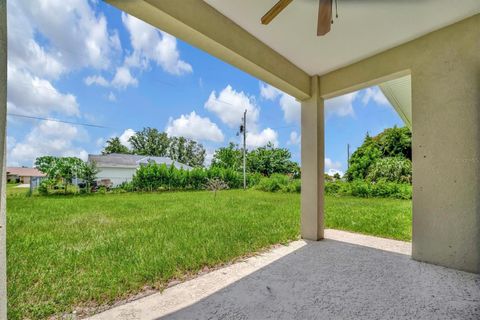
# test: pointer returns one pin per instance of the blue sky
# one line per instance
(90, 63)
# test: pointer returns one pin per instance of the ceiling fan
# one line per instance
(324, 14)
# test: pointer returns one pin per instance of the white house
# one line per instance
(119, 168)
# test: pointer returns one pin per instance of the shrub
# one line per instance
(152, 177)
(44, 187)
(276, 182)
(365, 189)
(293, 186)
(393, 169)
(333, 187)
(253, 179)
(126, 186)
(215, 185)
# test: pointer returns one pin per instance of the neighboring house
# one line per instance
(22, 174)
(119, 168)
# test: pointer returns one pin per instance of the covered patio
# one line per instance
(436, 44)
(345, 276)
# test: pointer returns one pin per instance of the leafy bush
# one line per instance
(333, 187)
(253, 179)
(152, 177)
(45, 185)
(294, 186)
(278, 183)
(359, 188)
(393, 169)
(126, 186)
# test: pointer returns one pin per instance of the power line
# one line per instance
(57, 120)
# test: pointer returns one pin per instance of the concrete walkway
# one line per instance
(345, 276)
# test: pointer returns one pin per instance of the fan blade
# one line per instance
(274, 11)
(324, 17)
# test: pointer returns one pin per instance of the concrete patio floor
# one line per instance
(345, 276)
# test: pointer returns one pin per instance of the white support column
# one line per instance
(3, 126)
(313, 158)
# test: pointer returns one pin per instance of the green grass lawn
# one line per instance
(82, 251)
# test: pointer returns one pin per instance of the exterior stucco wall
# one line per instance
(3, 125)
(445, 70)
(116, 175)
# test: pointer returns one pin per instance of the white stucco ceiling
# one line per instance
(364, 27)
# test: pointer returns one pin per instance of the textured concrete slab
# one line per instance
(390, 245)
(329, 279)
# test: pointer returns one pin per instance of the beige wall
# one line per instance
(445, 70)
(3, 115)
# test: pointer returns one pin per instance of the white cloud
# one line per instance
(73, 37)
(98, 80)
(269, 92)
(194, 127)
(111, 97)
(23, 51)
(341, 106)
(35, 58)
(294, 139)
(123, 78)
(31, 95)
(332, 165)
(48, 138)
(77, 37)
(229, 106)
(255, 140)
(375, 94)
(125, 136)
(151, 44)
(332, 172)
(290, 106)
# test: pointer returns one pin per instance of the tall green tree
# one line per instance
(391, 143)
(114, 145)
(186, 151)
(269, 159)
(395, 142)
(69, 168)
(61, 168)
(228, 157)
(150, 142)
(363, 158)
(47, 165)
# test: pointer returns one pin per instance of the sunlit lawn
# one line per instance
(66, 252)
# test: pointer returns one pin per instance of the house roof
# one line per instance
(131, 160)
(399, 93)
(25, 172)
